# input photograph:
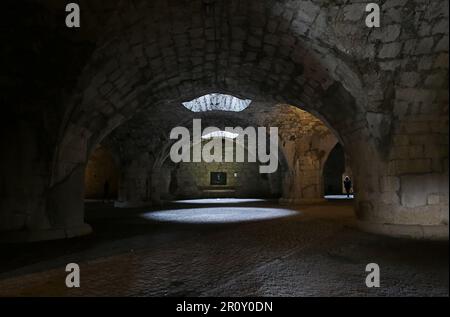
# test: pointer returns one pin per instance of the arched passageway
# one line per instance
(101, 177)
(153, 55)
(333, 171)
(83, 107)
(302, 144)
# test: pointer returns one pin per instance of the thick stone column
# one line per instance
(407, 195)
(65, 206)
(303, 183)
(160, 182)
(32, 207)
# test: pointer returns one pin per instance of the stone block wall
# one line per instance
(101, 168)
(306, 143)
(383, 91)
(243, 180)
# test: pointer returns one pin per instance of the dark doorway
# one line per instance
(333, 171)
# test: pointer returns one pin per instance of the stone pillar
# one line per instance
(34, 206)
(403, 192)
(408, 197)
(305, 158)
(160, 181)
(65, 206)
(302, 183)
(134, 184)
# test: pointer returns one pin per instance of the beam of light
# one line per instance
(217, 102)
(221, 135)
(219, 201)
(339, 197)
(218, 215)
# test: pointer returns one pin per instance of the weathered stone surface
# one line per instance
(416, 189)
(390, 50)
(72, 91)
(233, 260)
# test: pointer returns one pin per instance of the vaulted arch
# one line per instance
(366, 85)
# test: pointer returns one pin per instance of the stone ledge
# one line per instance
(45, 235)
(419, 232)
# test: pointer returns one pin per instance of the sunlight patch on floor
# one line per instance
(219, 215)
(340, 197)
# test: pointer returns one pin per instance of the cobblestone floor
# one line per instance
(308, 251)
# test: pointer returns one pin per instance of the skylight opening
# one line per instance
(217, 102)
(221, 135)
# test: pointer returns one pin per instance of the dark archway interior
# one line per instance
(333, 171)
(87, 176)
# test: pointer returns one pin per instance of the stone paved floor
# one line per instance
(309, 251)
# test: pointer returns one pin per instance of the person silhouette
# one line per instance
(347, 185)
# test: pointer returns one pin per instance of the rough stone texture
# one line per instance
(314, 252)
(304, 144)
(243, 180)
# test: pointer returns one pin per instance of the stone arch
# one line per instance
(365, 84)
(247, 184)
(221, 120)
(104, 132)
(311, 68)
(116, 85)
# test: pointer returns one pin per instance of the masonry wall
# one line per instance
(306, 142)
(243, 180)
(101, 168)
(413, 181)
(385, 91)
